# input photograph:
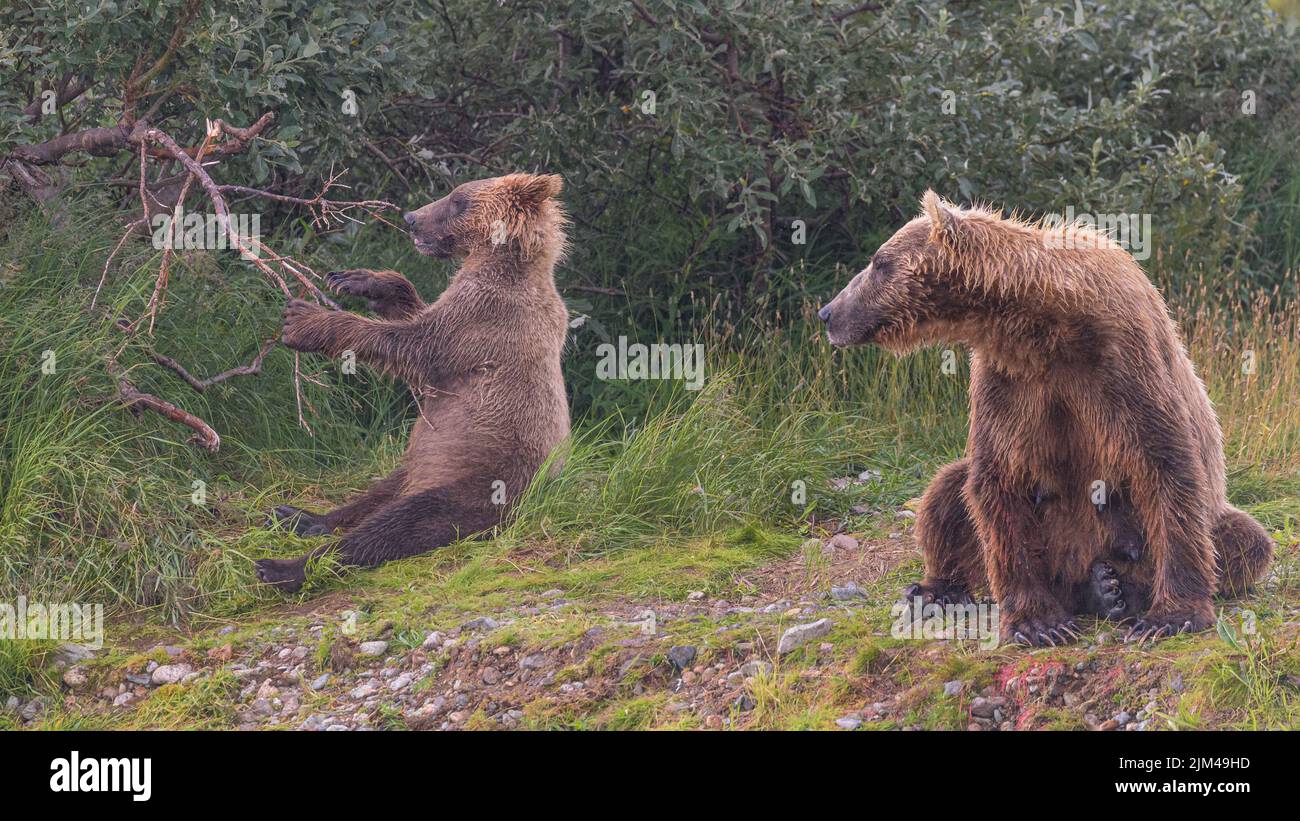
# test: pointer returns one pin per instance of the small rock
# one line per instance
(744, 703)
(682, 657)
(801, 634)
(75, 678)
(953, 688)
(847, 592)
(843, 541)
(481, 623)
(695, 595)
(553, 593)
(757, 667)
(433, 640)
(320, 682)
(400, 682)
(363, 690)
(68, 655)
(222, 653)
(373, 648)
(1122, 718)
(169, 674)
(490, 675)
(848, 723)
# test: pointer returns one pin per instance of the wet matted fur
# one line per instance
(483, 361)
(1078, 377)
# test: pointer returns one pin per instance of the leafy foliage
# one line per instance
(694, 135)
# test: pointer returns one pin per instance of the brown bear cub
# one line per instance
(483, 361)
(1079, 382)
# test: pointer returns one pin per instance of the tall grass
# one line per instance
(95, 504)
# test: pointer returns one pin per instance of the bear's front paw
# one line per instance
(356, 282)
(298, 332)
(1154, 626)
(1040, 632)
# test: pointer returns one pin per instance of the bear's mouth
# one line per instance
(430, 247)
(864, 334)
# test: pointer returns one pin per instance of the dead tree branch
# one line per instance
(129, 396)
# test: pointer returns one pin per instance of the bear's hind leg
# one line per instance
(954, 560)
(411, 525)
(305, 523)
(302, 522)
(1242, 551)
(1108, 594)
(404, 526)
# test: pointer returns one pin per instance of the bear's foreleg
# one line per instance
(954, 558)
(1015, 555)
(410, 350)
(388, 293)
(1178, 540)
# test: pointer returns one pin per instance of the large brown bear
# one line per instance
(1079, 386)
(483, 361)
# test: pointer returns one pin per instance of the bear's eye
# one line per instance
(879, 268)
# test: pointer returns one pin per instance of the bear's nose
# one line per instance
(825, 313)
(409, 216)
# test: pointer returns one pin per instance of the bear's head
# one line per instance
(905, 297)
(516, 213)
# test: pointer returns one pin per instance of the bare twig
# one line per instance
(131, 397)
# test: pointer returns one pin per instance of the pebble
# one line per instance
(75, 678)
(320, 682)
(847, 592)
(481, 623)
(848, 723)
(373, 648)
(801, 634)
(363, 690)
(843, 541)
(682, 656)
(986, 707)
(169, 674)
(953, 688)
(433, 640)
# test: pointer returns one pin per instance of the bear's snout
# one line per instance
(409, 216)
(825, 313)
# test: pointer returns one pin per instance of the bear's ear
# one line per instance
(534, 188)
(946, 223)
